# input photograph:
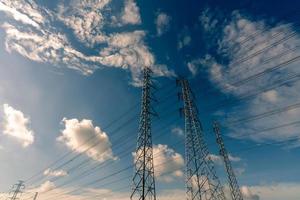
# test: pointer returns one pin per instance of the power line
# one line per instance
(92, 170)
(89, 171)
(257, 75)
(257, 32)
(111, 175)
(276, 84)
(268, 70)
(91, 138)
(124, 152)
(266, 114)
(273, 45)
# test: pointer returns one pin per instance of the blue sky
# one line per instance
(70, 68)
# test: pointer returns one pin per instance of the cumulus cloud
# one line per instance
(267, 48)
(162, 23)
(46, 186)
(55, 173)
(48, 44)
(248, 195)
(83, 137)
(131, 13)
(167, 163)
(166, 160)
(16, 125)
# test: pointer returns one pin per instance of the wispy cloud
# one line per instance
(162, 22)
(219, 160)
(265, 54)
(184, 38)
(26, 14)
(178, 131)
(55, 173)
(37, 39)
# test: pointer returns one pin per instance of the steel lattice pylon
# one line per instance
(233, 184)
(201, 180)
(143, 179)
(17, 190)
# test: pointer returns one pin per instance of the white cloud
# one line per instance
(167, 163)
(248, 195)
(55, 173)
(219, 160)
(270, 96)
(166, 160)
(131, 13)
(83, 136)
(46, 186)
(29, 16)
(194, 66)
(86, 19)
(277, 191)
(207, 20)
(162, 23)
(249, 57)
(16, 125)
(178, 131)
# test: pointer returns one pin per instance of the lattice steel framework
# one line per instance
(233, 184)
(143, 179)
(17, 190)
(201, 180)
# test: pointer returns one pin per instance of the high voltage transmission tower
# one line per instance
(201, 180)
(143, 179)
(233, 184)
(16, 190)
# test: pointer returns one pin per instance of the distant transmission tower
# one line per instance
(233, 184)
(16, 190)
(201, 180)
(143, 179)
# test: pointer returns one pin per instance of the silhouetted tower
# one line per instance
(143, 179)
(233, 184)
(16, 190)
(201, 180)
